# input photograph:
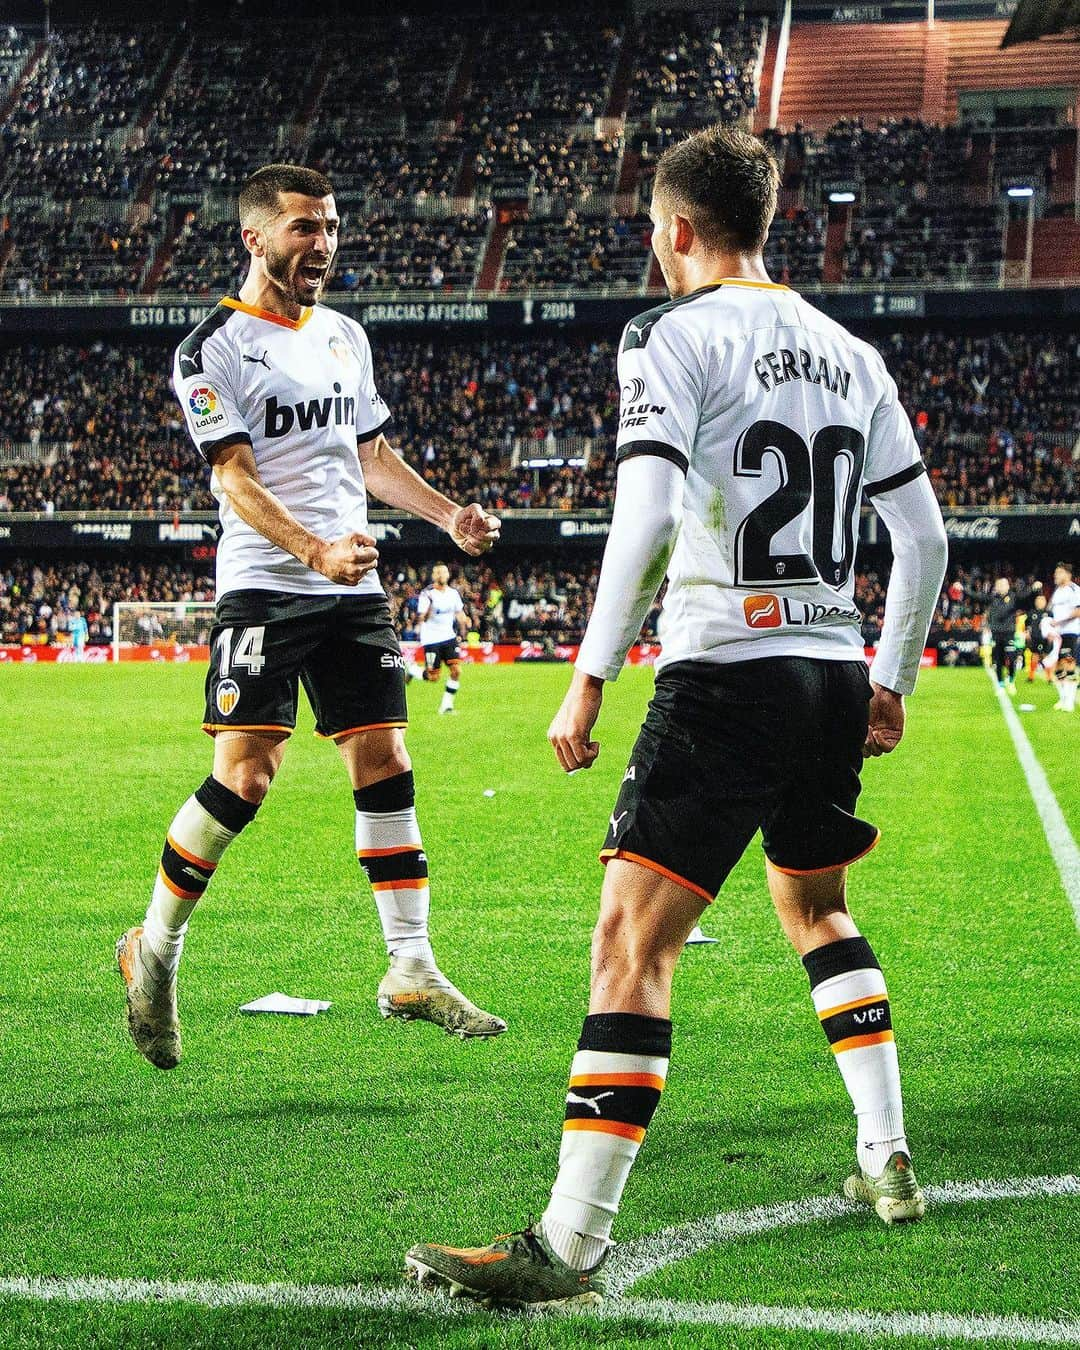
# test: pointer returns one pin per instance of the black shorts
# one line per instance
(343, 648)
(1069, 644)
(726, 750)
(439, 652)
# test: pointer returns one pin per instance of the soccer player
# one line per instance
(1065, 618)
(1001, 614)
(1037, 639)
(750, 427)
(280, 399)
(443, 620)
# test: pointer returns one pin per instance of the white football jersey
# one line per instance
(1062, 603)
(442, 608)
(781, 420)
(303, 393)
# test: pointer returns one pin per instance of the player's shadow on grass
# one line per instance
(14, 1123)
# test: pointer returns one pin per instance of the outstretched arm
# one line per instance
(392, 480)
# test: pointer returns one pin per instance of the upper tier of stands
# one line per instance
(502, 156)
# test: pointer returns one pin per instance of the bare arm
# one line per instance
(392, 480)
(345, 561)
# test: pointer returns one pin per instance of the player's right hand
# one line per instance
(569, 732)
(348, 560)
(886, 722)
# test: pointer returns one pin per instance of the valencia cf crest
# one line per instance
(227, 696)
(341, 350)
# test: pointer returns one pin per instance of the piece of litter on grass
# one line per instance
(698, 939)
(1027, 707)
(283, 1003)
(489, 792)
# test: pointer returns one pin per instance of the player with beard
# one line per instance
(750, 427)
(280, 399)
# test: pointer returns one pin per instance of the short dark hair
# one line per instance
(724, 181)
(1065, 567)
(259, 194)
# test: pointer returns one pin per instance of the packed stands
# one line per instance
(997, 415)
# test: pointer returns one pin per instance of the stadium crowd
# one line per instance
(543, 601)
(997, 416)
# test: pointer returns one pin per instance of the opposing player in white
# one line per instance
(441, 612)
(751, 425)
(1065, 627)
(280, 399)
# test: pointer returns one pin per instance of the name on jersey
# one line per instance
(779, 367)
(281, 418)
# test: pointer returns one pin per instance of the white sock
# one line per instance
(391, 852)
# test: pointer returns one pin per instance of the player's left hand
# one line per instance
(473, 530)
(886, 722)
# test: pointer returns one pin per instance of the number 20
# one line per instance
(808, 476)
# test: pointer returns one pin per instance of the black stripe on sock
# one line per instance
(628, 1105)
(626, 1034)
(227, 807)
(397, 867)
(389, 794)
(184, 874)
(838, 958)
(858, 1021)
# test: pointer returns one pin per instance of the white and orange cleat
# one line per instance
(412, 989)
(151, 1002)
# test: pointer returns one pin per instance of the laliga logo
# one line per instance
(762, 611)
(634, 392)
(202, 401)
(227, 696)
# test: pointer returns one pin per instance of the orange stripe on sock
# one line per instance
(409, 884)
(634, 1132)
(191, 857)
(652, 1080)
(388, 852)
(855, 1003)
(183, 895)
(860, 1042)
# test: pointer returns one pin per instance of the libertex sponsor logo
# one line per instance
(772, 611)
(762, 611)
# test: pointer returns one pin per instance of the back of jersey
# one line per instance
(781, 419)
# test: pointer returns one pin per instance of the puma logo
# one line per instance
(616, 821)
(572, 1099)
(259, 360)
(193, 361)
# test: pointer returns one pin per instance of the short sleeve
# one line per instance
(208, 399)
(372, 415)
(661, 392)
(892, 455)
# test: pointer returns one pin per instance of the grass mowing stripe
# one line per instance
(1058, 835)
(636, 1260)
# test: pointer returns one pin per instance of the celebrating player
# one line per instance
(441, 612)
(750, 426)
(1065, 620)
(280, 399)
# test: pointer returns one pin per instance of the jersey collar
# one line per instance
(231, 302)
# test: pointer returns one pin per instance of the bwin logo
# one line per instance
(316, 412)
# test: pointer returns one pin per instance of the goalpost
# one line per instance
(161, 630)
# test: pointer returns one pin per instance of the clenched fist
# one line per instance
(473, 530)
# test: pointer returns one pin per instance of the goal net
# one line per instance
(167, 630)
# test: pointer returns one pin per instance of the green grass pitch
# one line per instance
(315, 1151)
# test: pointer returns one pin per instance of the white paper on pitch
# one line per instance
(283, 1003)
(698, 939)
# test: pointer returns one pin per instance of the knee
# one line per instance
(383, 758)
(250, 780)
(625, 949)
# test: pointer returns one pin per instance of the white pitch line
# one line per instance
(1063, 847)
(672, 1244)
(632, 1261)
